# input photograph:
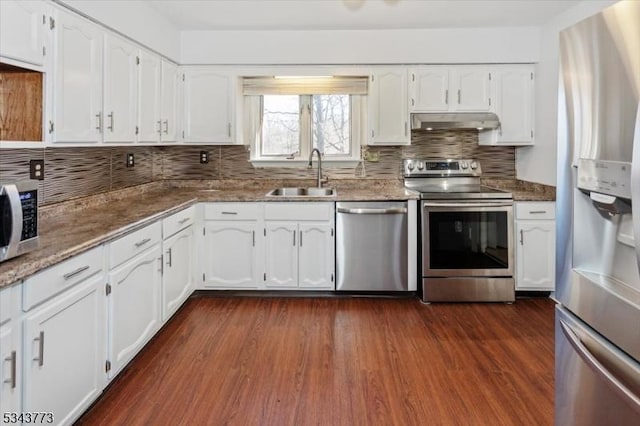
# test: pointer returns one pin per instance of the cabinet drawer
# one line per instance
(232, 211)
(178, 221)
(298, 211)
(130, 245)
(60, 277)
(5, 305)
(535, 210)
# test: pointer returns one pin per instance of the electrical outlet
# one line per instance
(130, 160)
(372, 157)
(36, 169)
(204, 157)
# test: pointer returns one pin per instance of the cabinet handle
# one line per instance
(159, 126)
(229, 212)
(40, 341)
(537, 211)
(253, 238)
(459, 96)
(169, 258)
(99, 117)
(185, 220)
(521, 237)
(143, 242)
(110, 121)
(405, 128)
(446, 96)
(413, 102)
(300, 238)
(229, 129)
(294, 238)
(166, 127)
(160, 265)
(12, 379)
(72, 274)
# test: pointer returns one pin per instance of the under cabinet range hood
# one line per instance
(455, 120)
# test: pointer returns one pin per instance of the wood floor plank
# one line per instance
(340, 361)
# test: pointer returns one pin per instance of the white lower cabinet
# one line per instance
(230, 254)
(10, 353)
(177, 273)
(535, 246)
(64, 352)
(299, 246)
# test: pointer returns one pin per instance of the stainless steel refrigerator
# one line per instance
(598, 209)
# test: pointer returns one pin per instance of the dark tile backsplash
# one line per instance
(78, 172)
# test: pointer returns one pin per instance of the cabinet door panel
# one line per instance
(316, 256)
(177, 283)
(230, 260)
(134, 312)
(473, 90)
(169, 102)
(21, 27)
(208, 114)
(389, 116)
(281, 254)
(120, 90)
(78, 80)
(515, 106)
(65, 370)
(535, 253)
(10, 354)
(430, 89)
(149, 98)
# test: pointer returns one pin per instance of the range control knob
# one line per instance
(464, 165)
(474, 165)
(420, 165)
(410, 165)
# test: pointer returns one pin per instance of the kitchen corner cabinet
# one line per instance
(535, 246)
(450, 89)
(10, 351)
(388, 108)
(514, 105)
(209, 105)
(120, 90)
(177, 272)
(134, 294)
(22, 27)
(230, 245)
(299, 246)
(77, 91)
(64, 351)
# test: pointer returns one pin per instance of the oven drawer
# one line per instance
(535, 210)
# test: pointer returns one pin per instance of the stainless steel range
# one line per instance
(466, 232)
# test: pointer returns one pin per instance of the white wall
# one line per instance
(460, 45)
(538, 163)
(136, 20)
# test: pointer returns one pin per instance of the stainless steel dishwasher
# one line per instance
(371, 246)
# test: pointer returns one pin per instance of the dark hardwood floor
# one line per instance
(340, 361)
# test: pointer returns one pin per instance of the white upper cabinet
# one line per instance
(77, 109)
(149, 123)
(169, 102)
(120, 90)
(388, 110)
(450, 89)
(514, 105)
(208, 106)
(22, 24)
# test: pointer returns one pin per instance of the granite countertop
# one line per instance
(70, 228)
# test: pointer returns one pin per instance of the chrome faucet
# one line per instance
(320, 180)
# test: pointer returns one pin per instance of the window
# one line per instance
(284, 127)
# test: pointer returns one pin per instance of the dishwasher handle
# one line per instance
(390, 210)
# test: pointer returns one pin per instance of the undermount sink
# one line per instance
(302, 192)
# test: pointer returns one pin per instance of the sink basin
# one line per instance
(302, 192)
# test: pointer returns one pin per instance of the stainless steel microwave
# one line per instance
(18, 218)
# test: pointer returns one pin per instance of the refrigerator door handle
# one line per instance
(635, 185)
(597, 366)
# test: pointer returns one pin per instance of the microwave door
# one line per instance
(635, 186)
(11, 215)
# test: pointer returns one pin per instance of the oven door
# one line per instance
(467, 238)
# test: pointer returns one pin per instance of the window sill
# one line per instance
(302, 164)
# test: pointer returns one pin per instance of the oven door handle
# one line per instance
(471, 204)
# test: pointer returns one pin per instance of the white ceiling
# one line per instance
(356, 14)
